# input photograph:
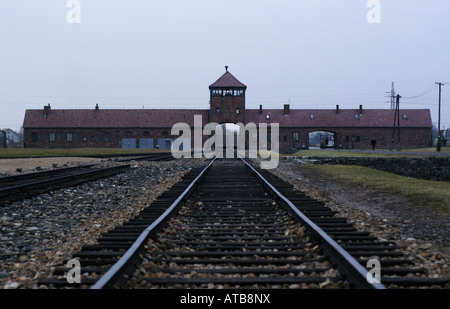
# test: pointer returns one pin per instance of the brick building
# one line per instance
(151, 128)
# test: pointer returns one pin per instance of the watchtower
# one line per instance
(227, 99)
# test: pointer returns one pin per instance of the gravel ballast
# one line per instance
(38, 234)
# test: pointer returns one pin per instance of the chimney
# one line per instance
(360, 109)
(260, 110)
(96, 107)
(47, 110)
(286, 109)
(337, 109)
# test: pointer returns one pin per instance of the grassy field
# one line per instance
(369, 153)
(78, 152)
(424, 193)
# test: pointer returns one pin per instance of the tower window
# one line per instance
(238, 93)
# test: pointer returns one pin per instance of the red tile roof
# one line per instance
(345, 118)
(165, 118)
(227, 80)
(109, 118)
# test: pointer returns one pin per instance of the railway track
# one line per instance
(19, 187)
(159, 156)
(231, 225)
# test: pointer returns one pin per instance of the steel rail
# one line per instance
(356, 273)
(118, 269)
(8, 191)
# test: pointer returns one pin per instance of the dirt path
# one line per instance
(8, 167)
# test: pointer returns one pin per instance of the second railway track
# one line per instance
(236, 226)
(19, 187)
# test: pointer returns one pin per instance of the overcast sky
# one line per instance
(165, 53)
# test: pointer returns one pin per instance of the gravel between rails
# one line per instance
(38, 234)
(234, 253)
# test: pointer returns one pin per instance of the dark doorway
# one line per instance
(321, 140)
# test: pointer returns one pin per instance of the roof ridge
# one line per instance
(227, 80)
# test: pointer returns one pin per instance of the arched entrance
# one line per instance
(322, 140)
(230, 138)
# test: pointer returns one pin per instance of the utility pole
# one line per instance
(396, 123)
(438, 146)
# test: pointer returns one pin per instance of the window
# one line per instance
(52, 137)
(92, 138)
(69, 137)
(128, 133)
(217, 110)
(146, 133)
(217, 93)
(34, 137)
(296, 136)
(106, 137)
(238, 93)
(358, 139)
(84, 139)
(238, 110)
(347, 138)
(285, 138)
(312, 117)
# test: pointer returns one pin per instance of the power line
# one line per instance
(421, 94)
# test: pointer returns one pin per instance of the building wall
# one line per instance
(97, 137)
(90, 137)
(358, 138)
(227, 106)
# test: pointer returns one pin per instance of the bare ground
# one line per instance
(422, 233)
(8, 167)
